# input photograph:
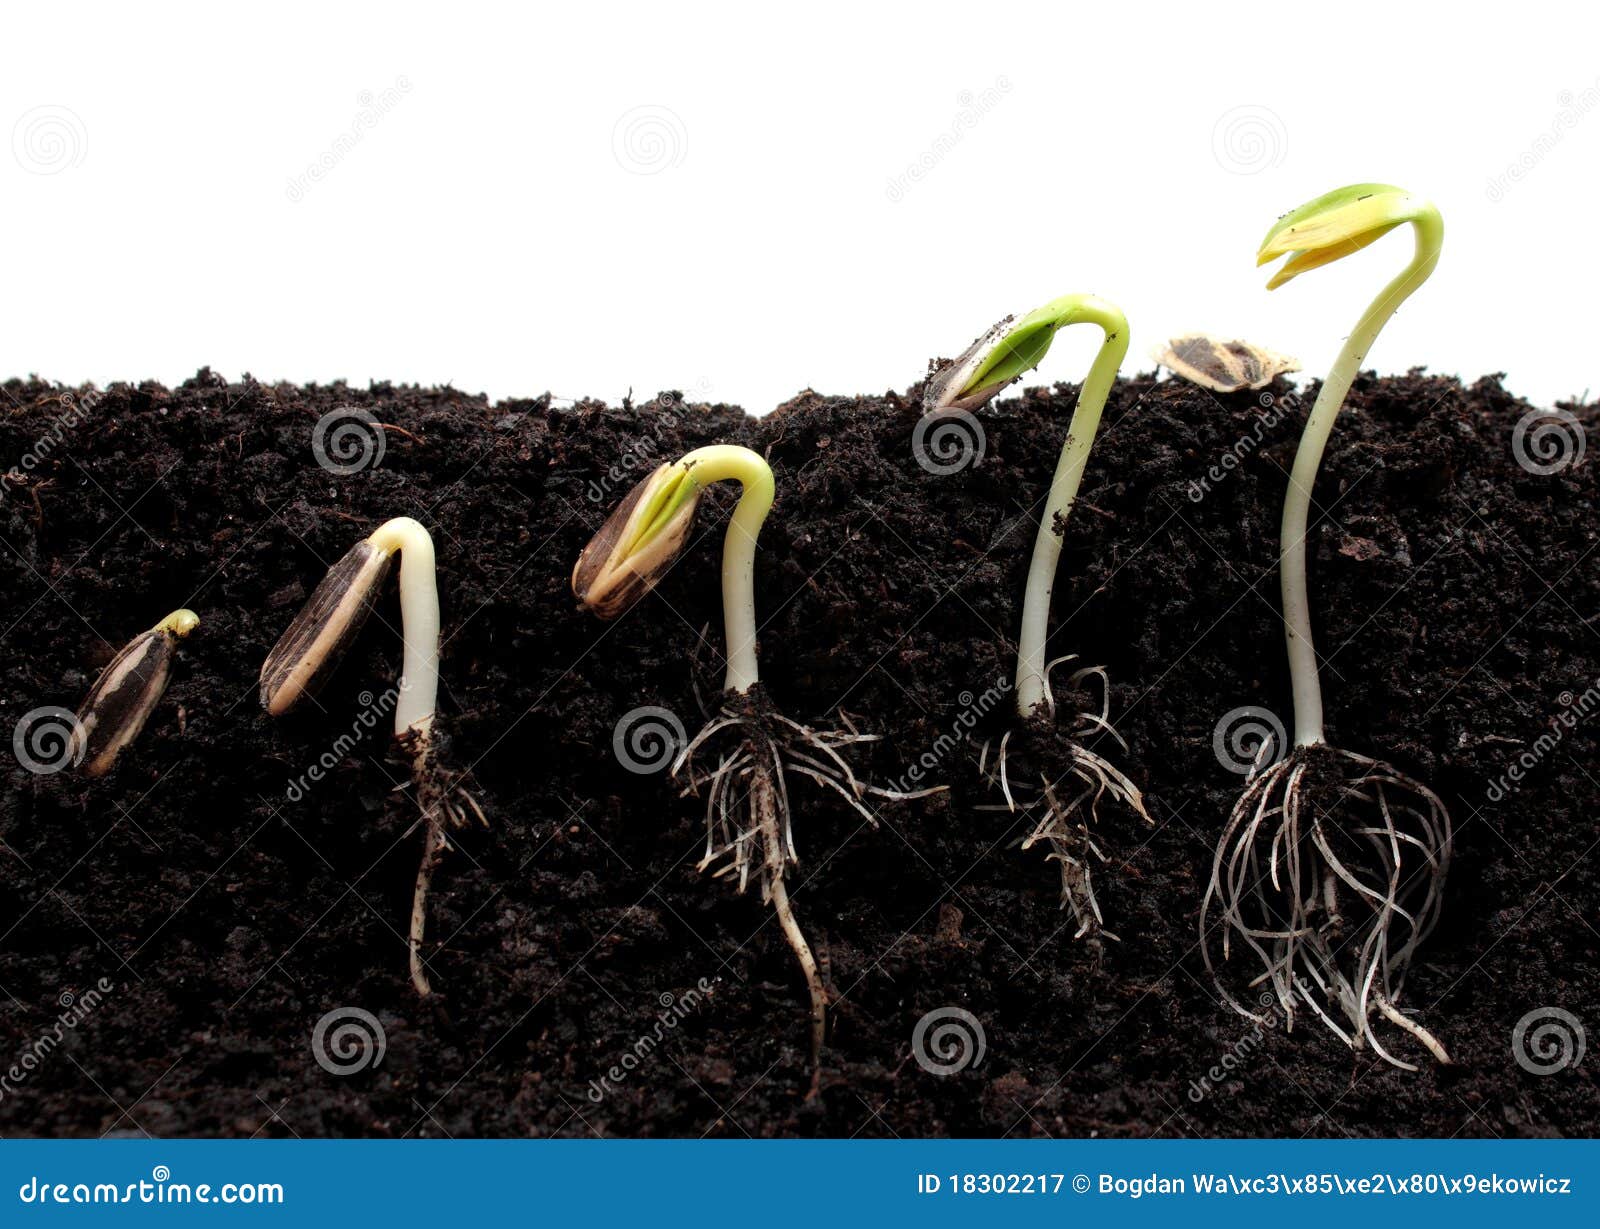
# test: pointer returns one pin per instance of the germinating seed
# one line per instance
(313, 644)
(126, 693)
(631, 551)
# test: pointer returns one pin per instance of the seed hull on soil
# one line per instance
(231, 890)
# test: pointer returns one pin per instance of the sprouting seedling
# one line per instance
(650, 528)
(998, 359)
(315, 642)
(1333, 898)
(995, 360)
(1316, 234)
(127, 691)
(748, 817)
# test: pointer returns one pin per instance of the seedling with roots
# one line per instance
(749, 820)
(1065, 802)
(127, 691)
(1331, 868)
(312, 646)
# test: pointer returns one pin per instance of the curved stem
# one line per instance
(717, 463)
(1307, 687)
(1031, 686)
(419, 621)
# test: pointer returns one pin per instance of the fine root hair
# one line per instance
(1329, 875)
(445, 804)
(1064, 810)
(741, 762)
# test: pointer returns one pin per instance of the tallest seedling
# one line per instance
(1331, 867)
(1072, 778)
(1316, 234)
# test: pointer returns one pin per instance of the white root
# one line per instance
(445, 803)
(749, 824)
(1063, 826)
(1330, 872)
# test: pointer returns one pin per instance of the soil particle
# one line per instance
(236, 879)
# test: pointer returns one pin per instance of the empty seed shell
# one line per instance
(307, 653)
(122, 698)
(943, 389)
(1223, 366)
(616, 569)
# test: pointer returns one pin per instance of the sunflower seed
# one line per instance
(122, 698)
(1223, 366)
(609, 576)
(312, 646)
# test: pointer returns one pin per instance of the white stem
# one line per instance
(419, 621)
(1308, 458)
(714, 464)
(1031, 685)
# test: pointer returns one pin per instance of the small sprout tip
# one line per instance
(127, 692)
(180, 623)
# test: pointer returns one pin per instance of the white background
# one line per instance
(592, 199)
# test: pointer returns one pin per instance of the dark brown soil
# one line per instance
(1455, 598)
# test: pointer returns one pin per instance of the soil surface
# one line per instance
(172, 934)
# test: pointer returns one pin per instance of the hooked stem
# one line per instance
(419, 621)
(1032, 689)
(717, 463)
